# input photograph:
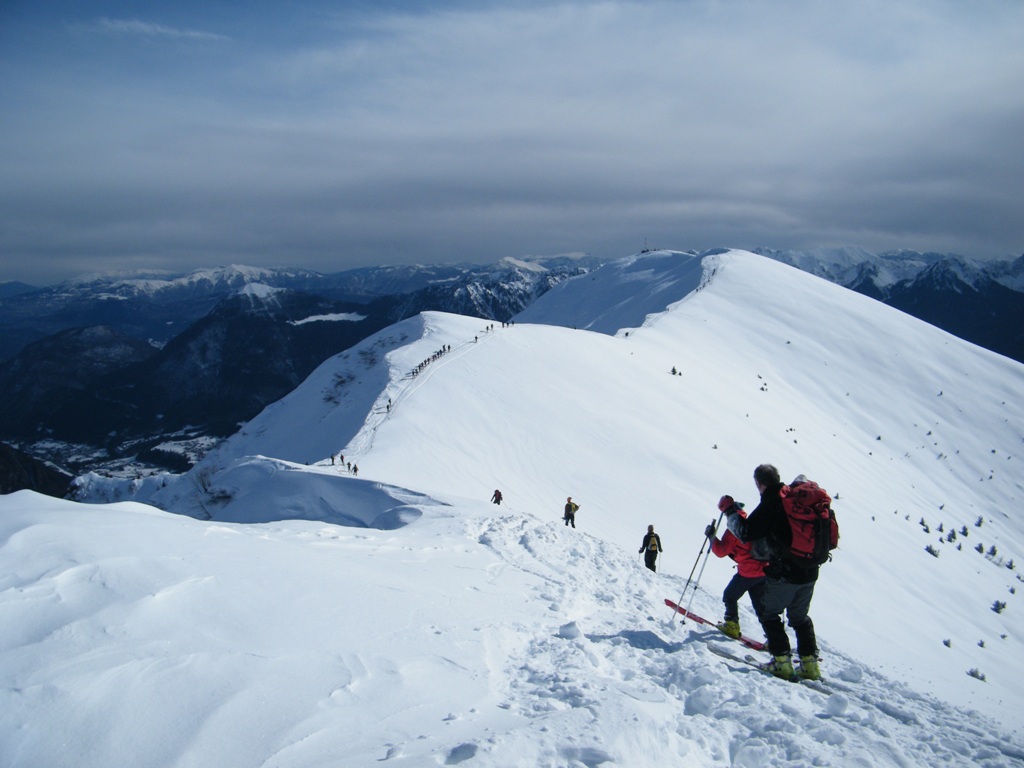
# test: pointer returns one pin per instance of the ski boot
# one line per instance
(781, 666)
(809, 668)
(731, 628)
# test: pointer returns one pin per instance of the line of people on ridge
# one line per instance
(759, 543)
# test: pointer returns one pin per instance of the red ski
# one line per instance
(747, 641)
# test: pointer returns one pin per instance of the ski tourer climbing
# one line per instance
(748, 579)
(789, 584)
(496, 498)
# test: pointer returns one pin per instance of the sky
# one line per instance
(336, 135)
(298, 614)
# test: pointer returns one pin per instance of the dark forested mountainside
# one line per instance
(19, 471)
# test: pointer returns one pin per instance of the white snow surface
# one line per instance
(305, 615)
(334, 317)
(258, 291)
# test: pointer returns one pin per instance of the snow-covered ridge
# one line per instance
(846, 266)
(151, 282)
(622, 294)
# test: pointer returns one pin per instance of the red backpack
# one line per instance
(811, 521)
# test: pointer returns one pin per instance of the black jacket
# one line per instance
(769, 522)
(647, 541)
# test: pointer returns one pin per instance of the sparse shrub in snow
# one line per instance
(998, 606)
(948, 643)
(976, 674)
(931, 551)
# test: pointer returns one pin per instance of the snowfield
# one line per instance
(286, 611)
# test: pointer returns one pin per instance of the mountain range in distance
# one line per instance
(135, 370)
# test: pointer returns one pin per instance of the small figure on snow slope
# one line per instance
(651, 548)
(789, 585)
(570, 512)
(749, 577)
(496, 498)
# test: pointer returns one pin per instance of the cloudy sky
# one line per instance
(331, 135)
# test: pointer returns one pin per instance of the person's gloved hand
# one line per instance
(710, 531)
(727, 504)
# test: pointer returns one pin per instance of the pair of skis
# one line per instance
(819, 685)
(749, 642)
(755, 645)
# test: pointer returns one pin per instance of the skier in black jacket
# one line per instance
(651, 548)
(789, 586)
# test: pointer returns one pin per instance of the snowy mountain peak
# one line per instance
(258, 291)
(621, 294)
(529, 266)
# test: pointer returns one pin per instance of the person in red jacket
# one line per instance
(749, 577)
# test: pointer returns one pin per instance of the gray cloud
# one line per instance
(480, 133)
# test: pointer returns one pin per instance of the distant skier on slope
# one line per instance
(651, 547)
(789, 585)
(749, 576)
(570, 511)
(496, 498)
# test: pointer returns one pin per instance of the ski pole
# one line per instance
(689, 578)
(686, 586)
(699, 576)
